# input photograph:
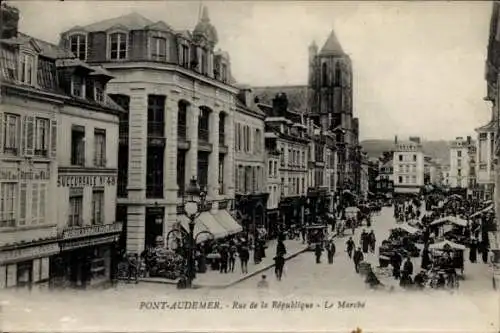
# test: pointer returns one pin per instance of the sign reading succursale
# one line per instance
(86, 180)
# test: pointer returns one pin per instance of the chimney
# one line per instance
(247, 96)
(10, 21)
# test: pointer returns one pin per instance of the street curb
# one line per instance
(241, 279)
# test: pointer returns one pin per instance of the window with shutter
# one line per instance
(43, 194)
(23, 194)
(34, 203)
(53, 138)
(30, 136)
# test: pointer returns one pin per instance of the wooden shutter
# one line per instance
(53, 138)
(29, 135)
(23, 200)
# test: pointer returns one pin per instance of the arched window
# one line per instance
(324, 74)
(338, 76)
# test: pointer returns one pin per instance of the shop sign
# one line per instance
(91, 230)
(18, 174)
(77, 244)
(86, 180)
(28, 253)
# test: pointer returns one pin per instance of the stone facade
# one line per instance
(408, 166)
(180, 122)
(459, 162)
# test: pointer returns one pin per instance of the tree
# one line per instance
(10, 21)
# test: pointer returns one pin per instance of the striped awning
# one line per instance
(228, 222)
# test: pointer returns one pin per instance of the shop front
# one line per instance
(252, 212)
(87, 256)
(26, 265)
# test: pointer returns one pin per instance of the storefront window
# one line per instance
(24, 273)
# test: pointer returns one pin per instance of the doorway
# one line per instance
(154, 225)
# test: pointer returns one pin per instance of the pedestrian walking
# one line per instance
(408, 267)
(317, 252)
(244, 257)
(358, 257)
(331, 252)
(280, 248)
(350, 247)
(224, 259)
(372, 241)
(473, 251)
(232, 258)
(279, 265)
(365, 242)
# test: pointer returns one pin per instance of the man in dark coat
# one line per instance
(317, 252)
(473, 251)
(358, 257)
(350, 247)
(426, 258)
(372, 240)
(484, 252)
(280, 248)
(396, 265)
(408, 267)
(331, 252)
(244, 257)
(279, 261)
(365, 242)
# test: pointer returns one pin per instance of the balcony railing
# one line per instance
(182, 132)
(7, 223)
(156, 129)
(154, 190)
(203, 135)
(91, 230)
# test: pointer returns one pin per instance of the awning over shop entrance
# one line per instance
(228, 222)
(205, 222)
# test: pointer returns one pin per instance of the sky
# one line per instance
(418, 66)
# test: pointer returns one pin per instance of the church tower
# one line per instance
(330, 86)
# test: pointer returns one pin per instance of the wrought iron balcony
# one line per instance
(203, 135)
(181, 132)
(156, 129)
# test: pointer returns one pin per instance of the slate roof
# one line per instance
(332, 46)
(132, 21)
(297, 96)
(48, 50)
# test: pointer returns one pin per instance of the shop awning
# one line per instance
(451, 219)
(446, 244)
(228, 222)
(213, 225)
(487, 209)
(200, 228)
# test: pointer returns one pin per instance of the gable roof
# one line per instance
(132, 21)
(296, 95)
(47, 49)
(332, 46)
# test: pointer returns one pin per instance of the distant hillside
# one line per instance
(436, 149)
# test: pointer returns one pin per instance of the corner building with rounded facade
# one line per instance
(180, 100)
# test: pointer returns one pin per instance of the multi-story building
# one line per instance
(179, 124)
(493, 95)
(273, 180)
(485, 156)
(321, 170)
(459, 162)
(408, 163)
(330, 107)
(445, 175)
(58, 167)
(286, 133)
(385, 178)
(249, 163)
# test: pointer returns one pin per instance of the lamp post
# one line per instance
(195, 199)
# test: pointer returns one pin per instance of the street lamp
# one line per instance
(195, 200)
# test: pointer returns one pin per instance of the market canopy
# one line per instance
(451, 219)
(484, 210)
(446, 244)
(408, 228)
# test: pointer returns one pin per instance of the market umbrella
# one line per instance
(446, 244)
(484, 210)
(451, 219)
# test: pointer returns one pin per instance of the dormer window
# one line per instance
(27, 69)
(78, 45)
(159, 49)
(98, 92)
(118, 46)
(184, 56)
(78, 86)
